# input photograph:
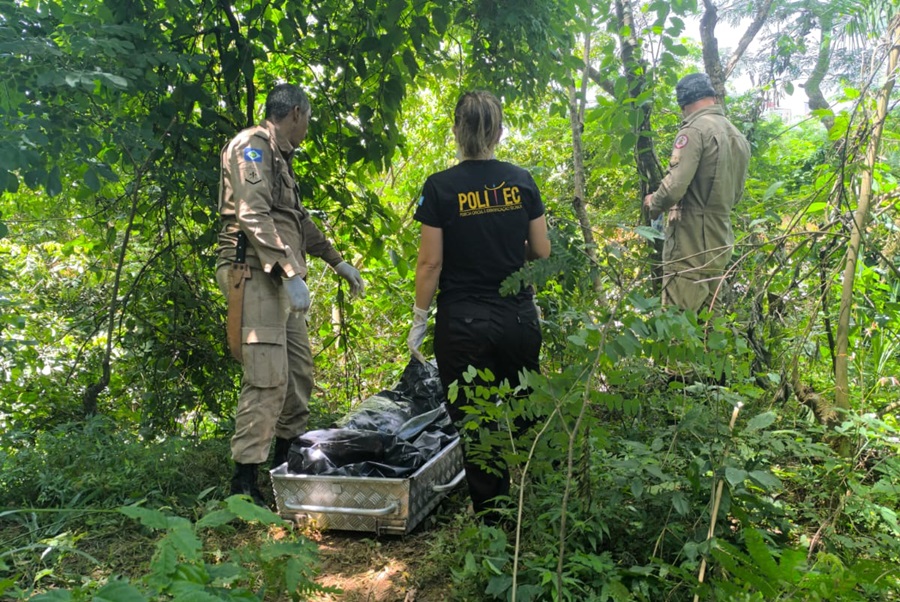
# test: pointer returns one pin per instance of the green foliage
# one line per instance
(111, 120)
(99, 464)
(182, 569)
(628, 459)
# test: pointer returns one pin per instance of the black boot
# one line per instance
(244, 482)
(282, 447)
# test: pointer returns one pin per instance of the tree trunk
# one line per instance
(646, 160)
(823, 60)
(576, 119)
(858, 228)
(761, 15)
(710, 45)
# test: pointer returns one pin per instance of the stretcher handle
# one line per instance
(452, 484)
(389, 509)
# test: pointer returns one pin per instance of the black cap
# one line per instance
(692, 88)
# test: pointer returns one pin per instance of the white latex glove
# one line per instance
(417, 332)
(298, 294)
(351, 275)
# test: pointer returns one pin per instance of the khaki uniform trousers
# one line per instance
(686, 293)
(278, 368)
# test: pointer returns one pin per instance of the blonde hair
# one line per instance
(477, 124)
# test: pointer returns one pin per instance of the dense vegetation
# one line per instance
(756, 447)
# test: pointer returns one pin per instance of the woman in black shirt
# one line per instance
(481, 219)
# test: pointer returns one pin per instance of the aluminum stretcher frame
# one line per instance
(376, 504)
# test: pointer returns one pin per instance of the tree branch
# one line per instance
(761, 15)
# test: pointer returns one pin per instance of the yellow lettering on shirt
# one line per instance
(489, 200)
(511, 196)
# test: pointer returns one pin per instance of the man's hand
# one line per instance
(351, 275)
(417, 332)
(648, 207)
(298, 294)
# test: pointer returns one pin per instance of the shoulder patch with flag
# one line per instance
(681, 141)
(253, 154)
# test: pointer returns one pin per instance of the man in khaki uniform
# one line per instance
(705, 181)
(265, 224)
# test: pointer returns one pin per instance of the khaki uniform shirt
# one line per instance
(704, 182)
(257, 194)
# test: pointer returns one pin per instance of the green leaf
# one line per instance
(649, 233)
(851, 93)
(765, 479)
(817, 207)
(192, 573)
(735, 476)
(216, 518)
(765, 563)
(760, 421)
(54, 184)
(200, 216)
(147, 517)
(185, 541)
(771, 190)
(119, 591)
(498, 586)
(637, 488)
(680, 503)
(54, 595)
(440, 20)
(248, 511)
(91, 180)
(183, 591)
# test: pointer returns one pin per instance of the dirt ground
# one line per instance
(389, 568)
(376, 570)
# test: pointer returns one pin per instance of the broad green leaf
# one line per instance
(498, 586)
(637, 488)
(119, 591)
(680, 503)
(817, 207)
(760, 421)
(91, 180)
(54, 185)
(771, 190)
(649, 233)
(248, 511)
(185, 541)
(760, 553)
(185, 591)
(765, 479)
(54, 595)
(216, 518)
(147, 517)
(735, 476)
(192, 573)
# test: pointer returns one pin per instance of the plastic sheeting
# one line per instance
(391, 434)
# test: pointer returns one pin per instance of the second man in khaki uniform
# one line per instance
(704, 182)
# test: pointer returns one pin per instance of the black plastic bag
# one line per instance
(390, 434)
(339, 446)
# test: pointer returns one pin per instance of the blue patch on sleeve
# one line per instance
(421, 200)
(253, 154)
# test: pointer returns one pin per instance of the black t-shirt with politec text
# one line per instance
(484, 208)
